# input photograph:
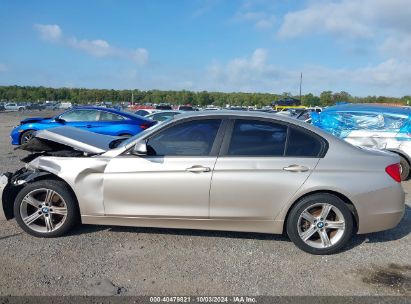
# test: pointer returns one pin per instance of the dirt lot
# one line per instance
(135, 261)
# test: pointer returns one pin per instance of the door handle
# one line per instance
(89, 126)
(198, 169)
(296, 168)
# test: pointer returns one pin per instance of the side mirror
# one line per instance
(59, 120)
(140, 148)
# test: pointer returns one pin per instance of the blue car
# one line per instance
(95, 119)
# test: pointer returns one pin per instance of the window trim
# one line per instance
(229, 132)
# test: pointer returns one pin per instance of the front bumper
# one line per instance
(4, 181)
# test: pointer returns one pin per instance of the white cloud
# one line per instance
(348, 18)
(255, 73)
(49, 32)
(96, 47)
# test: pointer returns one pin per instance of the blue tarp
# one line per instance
(341, 120)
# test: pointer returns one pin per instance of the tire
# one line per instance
(62, 210)
(405, 168)
(26, 136)
(315, 229)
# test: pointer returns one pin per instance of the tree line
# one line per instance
(204, 98)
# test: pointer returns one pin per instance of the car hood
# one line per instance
(80, 140)
(36, 119)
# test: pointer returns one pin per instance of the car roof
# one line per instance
(350, 107)
(110, 110)
(251, 115)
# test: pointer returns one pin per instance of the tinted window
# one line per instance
(257, 138)
(302, 144)
(163, 116)
(80, 115)
(107, 116)
(194, 138)
(141, 112)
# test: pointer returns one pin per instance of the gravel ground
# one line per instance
(97, 260)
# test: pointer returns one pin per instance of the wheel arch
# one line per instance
(12, 191)
(341, 196)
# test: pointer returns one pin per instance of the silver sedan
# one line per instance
(225, 170)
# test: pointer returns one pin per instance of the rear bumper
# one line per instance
(380, 210)
(4, 180)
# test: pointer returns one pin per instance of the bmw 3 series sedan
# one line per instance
(220, 170)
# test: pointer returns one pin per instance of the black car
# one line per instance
(2, 108)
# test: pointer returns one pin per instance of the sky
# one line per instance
(362, 47)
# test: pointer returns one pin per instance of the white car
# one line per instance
(14, 107)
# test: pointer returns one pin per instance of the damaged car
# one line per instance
(96, 119)
(375, 126)
(220, 170)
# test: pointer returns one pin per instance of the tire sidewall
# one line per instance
(304, 203)
(64, 192)
(405, 166)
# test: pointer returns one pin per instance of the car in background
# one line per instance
(2, 108)
(163, 106)
(36, 106)
(221, 170)
(297, 113)
(186, 108)
(14, 107)
(374, 126)
(95, 119)
(163, 115)
(145, 112)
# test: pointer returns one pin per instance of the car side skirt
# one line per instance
(261, 226)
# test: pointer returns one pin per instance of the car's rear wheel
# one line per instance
(46, 208)
(26, 136)
(404, 168)
(320, 224)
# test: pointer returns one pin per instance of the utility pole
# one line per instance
(132, 98)
(301, 81)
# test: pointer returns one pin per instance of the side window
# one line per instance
(80, 115)
(141, 112)
(107, 116)
(193, 138)
(257, 138)
(302, 144)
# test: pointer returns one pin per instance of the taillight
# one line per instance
(394, 171)
(145, 126)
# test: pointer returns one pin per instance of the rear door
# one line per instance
(261, 165)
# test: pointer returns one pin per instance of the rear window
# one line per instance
(302, 144)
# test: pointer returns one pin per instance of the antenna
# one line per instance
(301, 81)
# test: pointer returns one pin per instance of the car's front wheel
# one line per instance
(26, 136)
(320, 224)
(46, 208)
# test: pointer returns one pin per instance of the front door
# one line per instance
(172, 181)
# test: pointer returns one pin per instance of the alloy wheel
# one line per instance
(43, 210)
(321, 225)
